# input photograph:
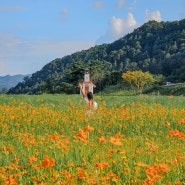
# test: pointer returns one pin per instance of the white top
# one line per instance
(94, 105)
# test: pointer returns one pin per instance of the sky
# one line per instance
(35, 32)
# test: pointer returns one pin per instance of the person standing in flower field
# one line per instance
(90, 104)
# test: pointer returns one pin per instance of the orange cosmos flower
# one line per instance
(36, 166)
(66, 141)
(115, 141)
(32, 159)
(102, 139)
(70, 164)
(35, 179)
(48, 162)
(81, 174)
(10, 180)
(82, 134)
(54, 137)
(88, 128)
(97, 164)
(16, 160)
(164, 168)
(101, 165)
(117, 134)
(176, 133)
(178, 183)
(67, 174)
(181, 121)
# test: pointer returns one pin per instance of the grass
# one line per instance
(109, 99)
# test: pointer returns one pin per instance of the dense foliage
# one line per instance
(138, 80)
(156, 47)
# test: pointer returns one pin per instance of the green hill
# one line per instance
(157, 47)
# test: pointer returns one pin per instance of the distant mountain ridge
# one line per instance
(9, 81)
(157, 47)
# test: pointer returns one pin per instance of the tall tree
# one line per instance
(138, 80)
(75, 73)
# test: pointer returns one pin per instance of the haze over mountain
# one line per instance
(157, 47)
(9, 81)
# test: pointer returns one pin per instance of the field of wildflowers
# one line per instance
(128, 140)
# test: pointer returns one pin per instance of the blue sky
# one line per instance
(33, 33)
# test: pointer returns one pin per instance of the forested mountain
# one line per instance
(9, 81)
(157, 47)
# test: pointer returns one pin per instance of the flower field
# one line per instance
(53, 141)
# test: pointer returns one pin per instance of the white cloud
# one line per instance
(118, 27)
(21, 56)
(149, 16)
(133, 5)
(130, 21)
(98, 4)
(120, 4)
